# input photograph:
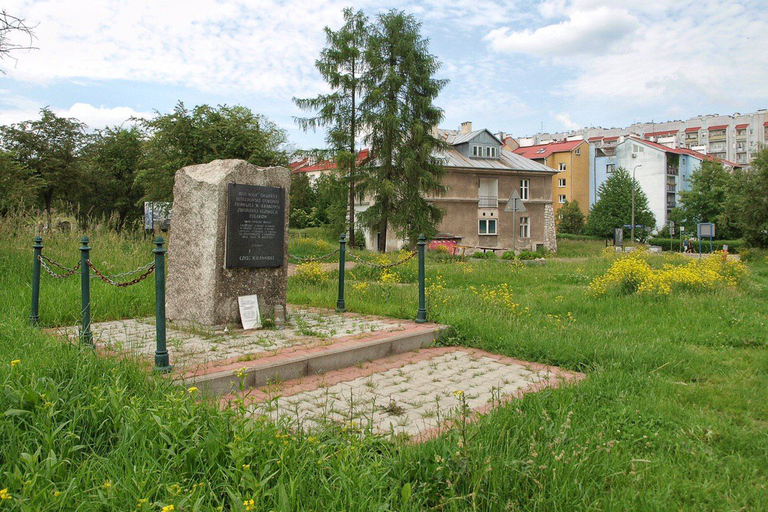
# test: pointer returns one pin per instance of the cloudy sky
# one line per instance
(513, 65)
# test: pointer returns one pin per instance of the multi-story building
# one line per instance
(661, 171)
(571, 160)
(481, 176)
(736, 137)
(314, 168)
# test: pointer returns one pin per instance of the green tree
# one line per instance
(303, 202)
(49, 149)
(331, 190)
(206, 133)
(613, 209)
(18, 186)
(342, 63)
(747, 204)
(570, 219)
(706, 200)
(112, 161)
(399, 111)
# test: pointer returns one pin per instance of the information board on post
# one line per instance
(255, 226)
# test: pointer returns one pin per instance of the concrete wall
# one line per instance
(652, 176)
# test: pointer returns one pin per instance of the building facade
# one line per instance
(571, 160)
(736, 137)
(662, 172)
(481, 176)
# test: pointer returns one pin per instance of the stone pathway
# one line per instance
(414, 395)
(190, 347)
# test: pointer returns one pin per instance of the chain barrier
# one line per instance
(68, 272)
(107, 279)
(385, 266)
(131, 272)
(312, 260)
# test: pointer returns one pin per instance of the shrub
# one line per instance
(484, 255)
(673, 244)
(509, 255)
(632, 273)
(527, 255)
(312, 273)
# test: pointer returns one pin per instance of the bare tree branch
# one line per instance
(10, 28)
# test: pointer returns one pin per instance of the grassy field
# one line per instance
(673, 414)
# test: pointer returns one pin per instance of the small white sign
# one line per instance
(249, 311)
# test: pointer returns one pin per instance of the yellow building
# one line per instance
(571, 160)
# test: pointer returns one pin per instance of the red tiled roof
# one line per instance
(661, 134)
(742, 126)
(692, 129)
(723, 161)
(594, 139)
(324, 165)
(718, 127)
(611, 139)
(686, 151)
(765, 123)
(544, 150)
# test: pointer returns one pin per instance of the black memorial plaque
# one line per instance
(255, 226)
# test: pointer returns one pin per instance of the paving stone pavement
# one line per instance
(190, 347)
(413, 395)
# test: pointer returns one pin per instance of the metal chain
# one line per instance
(150, 268)
(311, 260)
(131, 272)
(388, 265)
(69, 271)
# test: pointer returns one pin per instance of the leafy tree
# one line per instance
(399, 112)
(342, 63)
(202, 135)
(706, 200)
(331, 190)
(613, 209)
(303, 202)
(747, 204)
(50, 150)
(112, 162)
(18, 187)
(570, 219)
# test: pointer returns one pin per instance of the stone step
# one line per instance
(295, 363)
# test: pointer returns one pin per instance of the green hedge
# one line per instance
(568, 236)
(666, 244)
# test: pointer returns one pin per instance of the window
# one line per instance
(609, 168)
(578, 151)
(524, 186)
(525, 228)
(561, 199)
(561, 183)
(561, 166)
(486, 226)
(490, 151)
(477, 150)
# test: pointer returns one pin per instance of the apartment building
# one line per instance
(736, 137)
(571, 160)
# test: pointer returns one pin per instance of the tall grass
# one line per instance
(673, 414)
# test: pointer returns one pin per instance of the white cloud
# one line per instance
(94, 117)
(587, 31)
(680, 51)
(567, 122)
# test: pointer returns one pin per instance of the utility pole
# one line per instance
(633, 202)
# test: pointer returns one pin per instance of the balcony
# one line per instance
(671, 188)
(672, 171)
(487, 202)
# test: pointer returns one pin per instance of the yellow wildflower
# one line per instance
(4, 494)
(192, 389)
(458, 393)
(168, 508)
(246, 467)
(106, 485)
(56, 494)
(249, 505)
(15, 362)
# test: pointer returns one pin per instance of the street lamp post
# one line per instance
(633, 202)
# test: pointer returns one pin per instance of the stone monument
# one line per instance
(229, 237)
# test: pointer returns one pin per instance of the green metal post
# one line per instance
(162, 361)
(34, 315)
(421, 314)
(86, 336)
(340, 305)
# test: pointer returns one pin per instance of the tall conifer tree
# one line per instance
(342, 64)
(399, 112)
